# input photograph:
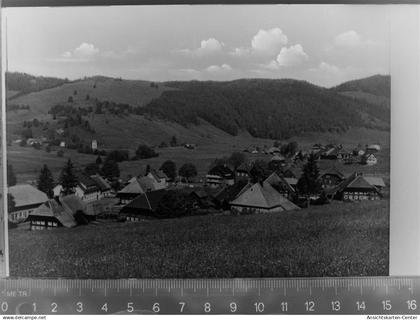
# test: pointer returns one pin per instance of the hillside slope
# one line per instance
(196, 112)
(266, 108)
(84, 92)
(375, 90)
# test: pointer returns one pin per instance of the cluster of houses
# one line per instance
(363, 155)
(223, 189)
(366, 155)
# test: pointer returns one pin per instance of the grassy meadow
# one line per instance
(341, 239)
(27, 161)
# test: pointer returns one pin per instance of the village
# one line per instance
(281, 178)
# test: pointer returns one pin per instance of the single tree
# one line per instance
(145, 152)
(68, 179)
(92, 169)
(169, 168)
(70, 99)
(173, 204)
(11, 177)
(236, 159)
(173, 142)
(259, 171)
(309, 183)
(11, 204)
(98, 160)
(188, 170)
(45, 181)
(110, 169)
(148, 169)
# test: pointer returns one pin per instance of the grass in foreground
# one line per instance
(341, 239)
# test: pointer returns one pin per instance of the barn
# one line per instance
(26, 199)
(261, 198)
(281, 185)
(242, 172)
(220, 175)
(356, 188)
(57, 212)
(135, 187)
(331, 178)
(144, 205)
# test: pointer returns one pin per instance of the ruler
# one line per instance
(375, 295)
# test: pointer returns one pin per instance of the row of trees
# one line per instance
(187, 170)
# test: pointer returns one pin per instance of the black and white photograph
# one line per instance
(198, 141)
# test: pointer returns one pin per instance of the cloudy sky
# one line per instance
(325, 45)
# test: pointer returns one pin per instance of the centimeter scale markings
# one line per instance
(377, 295)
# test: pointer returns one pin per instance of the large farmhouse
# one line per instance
(159, 179)
(330, 178)
(242, 172)
(220, 175)
(87, 188)
(135, 187)
(143, 205)
(281, 185)
(261, 198)
(57, 212)
(26, 199)
(103, 185)
(356, 187)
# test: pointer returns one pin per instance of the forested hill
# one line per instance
(266, 108)
(22, 83)
(378, 85)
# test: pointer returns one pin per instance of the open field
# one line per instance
(27, 161)
(341, 239)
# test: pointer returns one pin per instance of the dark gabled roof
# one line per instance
(101, 183)
(263, 196)
(291, 181)
(133, 187)
(222, 171)
(332, 171)
(86, 183)
(63, 209)
(148, 201)
(244, 167)
(231, 192)
(274, 179)
(291, 172)
(158, 175)
(355, 181)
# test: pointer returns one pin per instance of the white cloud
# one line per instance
(85, 50)
(348, 39)
(240, 51)
(269, 41)
(216, 68)
(292, 56)
(328, 68)
(209, 46)
(83, 53)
